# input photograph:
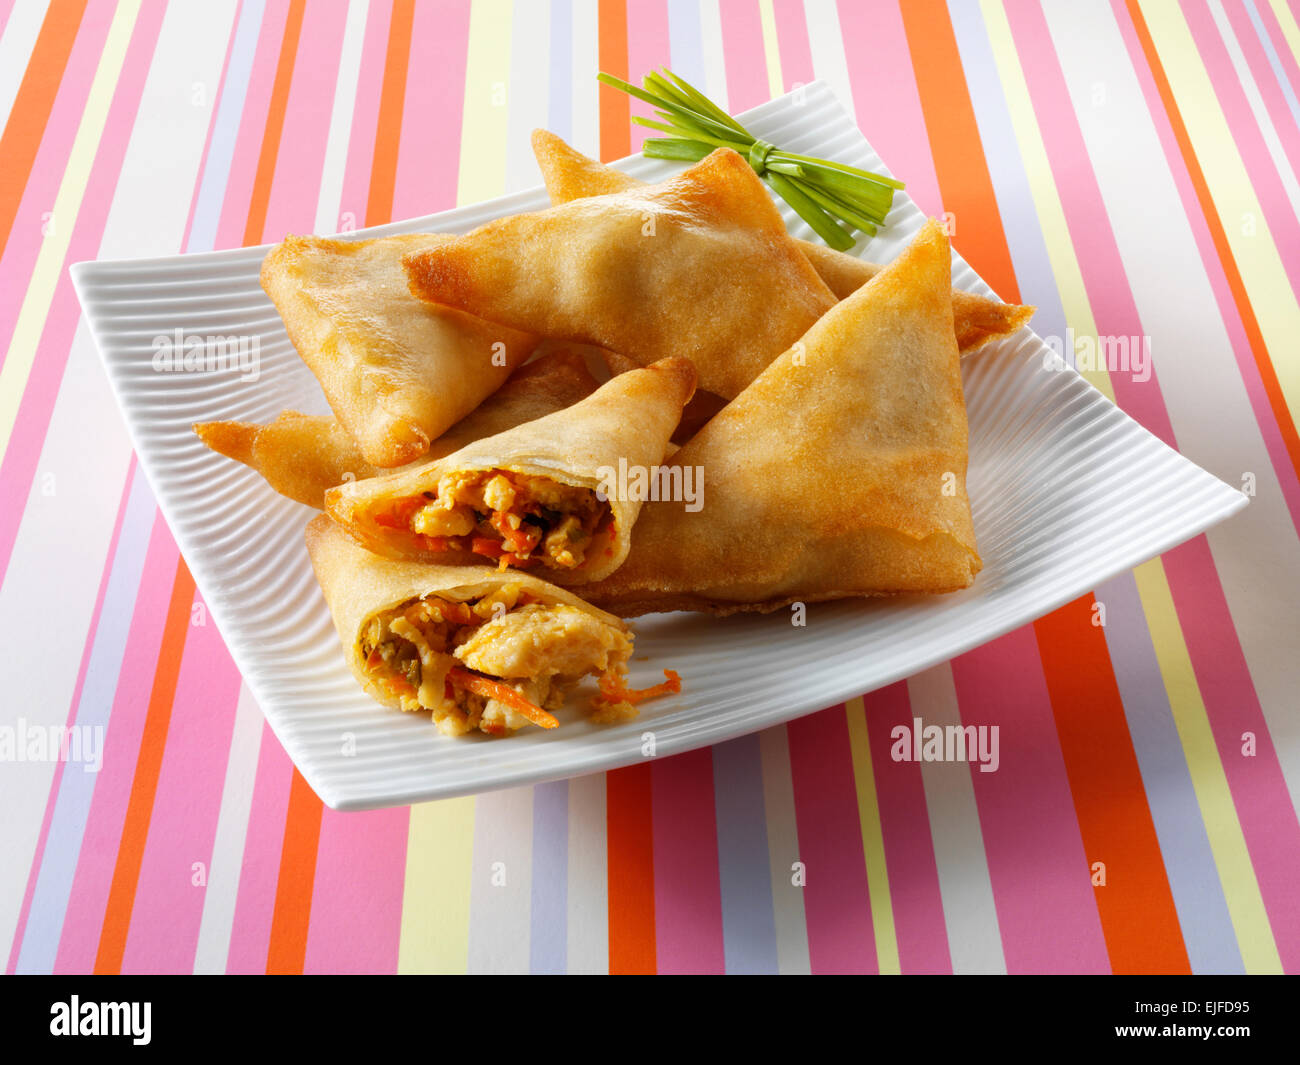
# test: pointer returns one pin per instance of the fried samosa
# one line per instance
(570, 175)
(302, 455)
(398, 372)
(544, 496)
(483, 650)
(841, 471)
(700, 267)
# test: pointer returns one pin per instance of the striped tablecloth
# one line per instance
(1129, 167)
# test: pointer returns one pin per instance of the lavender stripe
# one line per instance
(748, 919)
(76, 787)
(225, 127)
(548, 950)
(1273, 60)
(559, 112)
(686, 40)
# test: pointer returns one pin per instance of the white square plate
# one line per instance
(1067, 492)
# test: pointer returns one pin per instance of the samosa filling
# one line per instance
(514, 518)
(495, 663)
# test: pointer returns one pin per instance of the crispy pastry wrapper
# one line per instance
(358, 585)
(840, 472)
(570, 175)
(302, 456)
(397, 372)
(628, 420)
(700, 266)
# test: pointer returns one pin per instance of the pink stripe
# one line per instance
(1270, 89)
(27, 235)
(909, 848)
(1027, 814)
(742, 45)
(250, 935)
(647, 50)
(88, 899)
(295, 189)
(688, 889)
(1284, 54)
(74, 703)
(792, 37)
(365, 117)
(428, 159)
(1267, 816)
(1214, 268)
(356, 907)
(19, 464)
(837, 903)
(1279, 213)
(876, 48)
(168, 904)
(252, 126)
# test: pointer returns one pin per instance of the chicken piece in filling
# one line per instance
(495, 663)
(515, 519)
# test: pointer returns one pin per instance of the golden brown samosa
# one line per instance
(544, 496)
(841, 471)
(570, 175)
(397, 371)
(302, 455)
(482, 649)
(700, 266)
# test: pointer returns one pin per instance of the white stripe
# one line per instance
(587, 926)
(1167, 276)
(586, 62)
(530, 93)
(826, 43)
(226, 862)
(345, 96)
(1257, 108)
(501, 882)
(783, 851)
(715, 63)
(61, 548)
(16, 45)
(974, 941)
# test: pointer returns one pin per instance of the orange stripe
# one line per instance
(630, 856)
(1285, 422)
(392, 98)
(293, 892)
(955, 144)
(615, 107)
(1137, 911)
(139, 810)
(254, 230)
(33, 104)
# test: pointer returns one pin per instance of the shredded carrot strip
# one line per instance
(503, 693)
(613, 690)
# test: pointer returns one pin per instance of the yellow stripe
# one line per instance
(1228, 844)
(485, 129)
(1252, 244)
(1286, 22)
(1240, 887)
(435, 894)
(67, 204)
(771, 48)
(873, 840)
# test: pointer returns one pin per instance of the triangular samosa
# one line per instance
(397, 371)
(841, 471)
(570, 175)
(700, 266)
(543, 496)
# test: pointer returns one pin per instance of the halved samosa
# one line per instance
(481, 649)
(545, 495)
(700, 266)
(840, 472)
(570, 175)
(397, 371)
(302, 455)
